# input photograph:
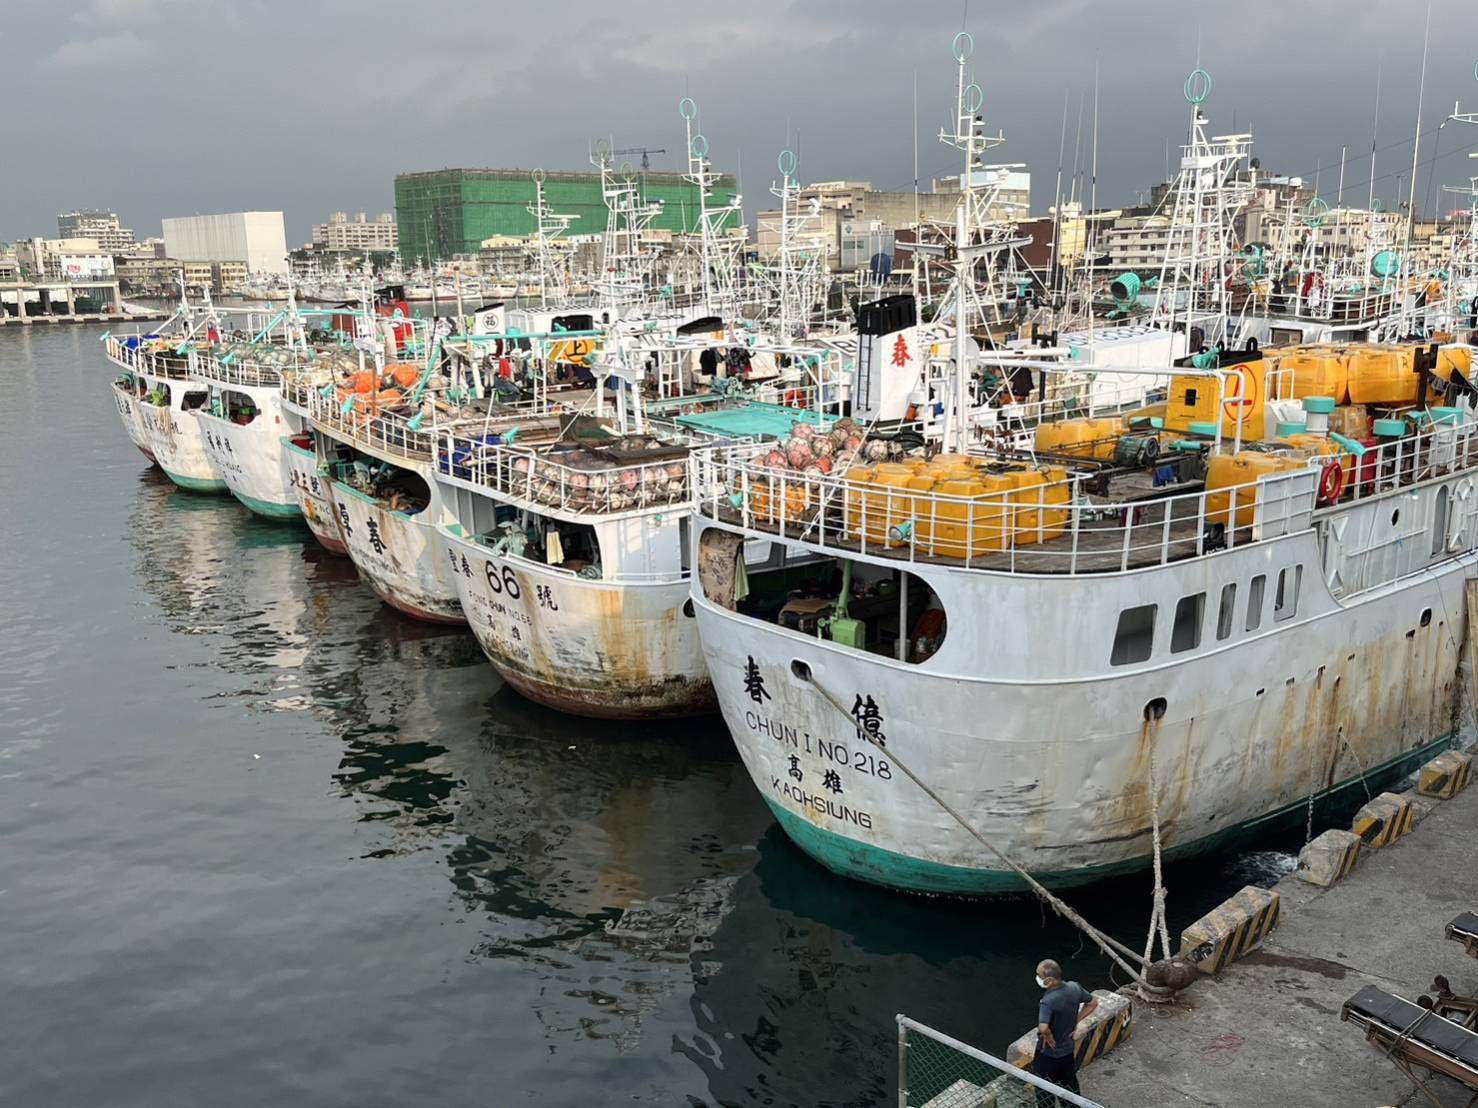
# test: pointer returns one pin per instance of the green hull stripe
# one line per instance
(197, 484)
(288, 512)
(879, 866)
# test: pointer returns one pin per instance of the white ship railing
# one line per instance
(365, 422)
(155, 363)
(546, 484)
(1058, 527)
(246, 372)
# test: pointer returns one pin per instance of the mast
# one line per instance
(548, 226)
(976, 235)
(719, 249)
(625, 262)
(1209, 192)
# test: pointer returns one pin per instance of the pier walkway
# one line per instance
(1268, 1030)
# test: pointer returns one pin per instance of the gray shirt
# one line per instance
(1059, 1011)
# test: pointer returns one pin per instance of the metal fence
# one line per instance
(936, 1071)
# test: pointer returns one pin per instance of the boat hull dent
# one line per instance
(1056, 772)
(586, 647)
(128, 412)
(314, 497)
(173, 437)
(250, 459)
(398, 555)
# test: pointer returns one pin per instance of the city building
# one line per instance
(847, 209)
(454, 211)
(145, 275)
(100, 226)
(256, 239)
(73, 259)
(359, 235)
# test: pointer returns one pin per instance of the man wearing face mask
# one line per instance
(1062, 1006)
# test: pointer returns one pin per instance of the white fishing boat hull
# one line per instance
(250, 456)
(592, 648)
(173, 437)
(128, 411)
(314, 495)
(400, 555)
(1019, 724)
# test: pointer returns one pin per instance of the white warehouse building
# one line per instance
(257, 238)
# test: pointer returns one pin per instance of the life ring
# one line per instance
(1238, 407)
(1460, 506)
(1331, 483)
(794, 398)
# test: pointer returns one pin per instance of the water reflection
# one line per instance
(628, 874)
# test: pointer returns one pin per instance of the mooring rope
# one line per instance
(1157, 907)
(1111, 947)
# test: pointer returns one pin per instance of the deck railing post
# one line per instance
(1128, 531)
(1168, 508)
(902, 1066)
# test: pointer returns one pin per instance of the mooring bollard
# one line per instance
(1231, 930)
(1383, 820)
(1329, 858)
(1445, 775)
(1108, 1025)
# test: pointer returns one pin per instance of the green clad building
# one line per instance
(452, 211)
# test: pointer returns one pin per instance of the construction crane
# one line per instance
(644, 151)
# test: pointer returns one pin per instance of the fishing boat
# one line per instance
(128, 395)
(166, 403)
(1083, 656)
(307, 455)
(371, 460)
(243, 423)
(1049, 642)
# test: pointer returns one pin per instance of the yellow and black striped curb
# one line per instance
(1329, 858)
(1231, 930)
(1108, 1025)
(1383, 820)
(1445, 775)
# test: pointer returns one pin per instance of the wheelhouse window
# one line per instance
(1134, 640)
(1285, 601)
(1227, 612)
(1439, 522)
(1186, 633)
(1255, 595)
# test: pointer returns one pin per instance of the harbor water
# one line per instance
(265, 841)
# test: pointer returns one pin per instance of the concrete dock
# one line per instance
(1267, 1030)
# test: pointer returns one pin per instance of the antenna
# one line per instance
(719, 249)
(548, 226)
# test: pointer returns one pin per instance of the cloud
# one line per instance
(83, 53)
(118, 11)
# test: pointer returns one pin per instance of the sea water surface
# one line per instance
(265, 841)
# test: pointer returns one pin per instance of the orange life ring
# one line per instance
(1331, 483)
(1237, 408)
(794, 398)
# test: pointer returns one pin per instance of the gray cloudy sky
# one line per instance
(167, 107)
